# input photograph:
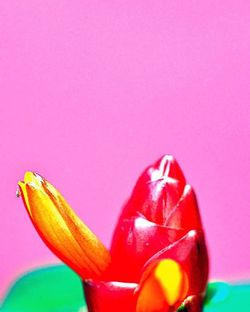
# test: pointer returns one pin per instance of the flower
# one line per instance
(60, 228)
(158, 258)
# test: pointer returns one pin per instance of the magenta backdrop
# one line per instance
(91, 92)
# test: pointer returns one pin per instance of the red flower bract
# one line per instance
(160, 221)
(158, 258)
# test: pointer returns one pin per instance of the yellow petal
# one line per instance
(61, 229)
(165, 284)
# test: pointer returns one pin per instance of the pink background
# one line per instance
(91, 92)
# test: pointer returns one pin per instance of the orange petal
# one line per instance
(61, 229)
(161, 287)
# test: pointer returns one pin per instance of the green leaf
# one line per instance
(224, 297)
(58, 289)
(49, 289)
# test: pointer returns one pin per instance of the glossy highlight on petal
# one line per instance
(157, 191)
(185, 215)
(61, 229)
(140, 240)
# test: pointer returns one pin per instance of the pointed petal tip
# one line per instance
(34, 178)
(167, 157)
(22, 192)
(20, 184)
(169, 167)
(21, 189)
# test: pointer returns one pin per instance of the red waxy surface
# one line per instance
(190, 251)
(140, 239)
(160, 220)
(109, 296)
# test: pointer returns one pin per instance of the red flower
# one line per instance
(158, 258)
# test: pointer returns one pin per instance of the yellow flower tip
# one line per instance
(172, 279)
(33, 178)
(165, 284)
(23, 193)
(61, 229)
